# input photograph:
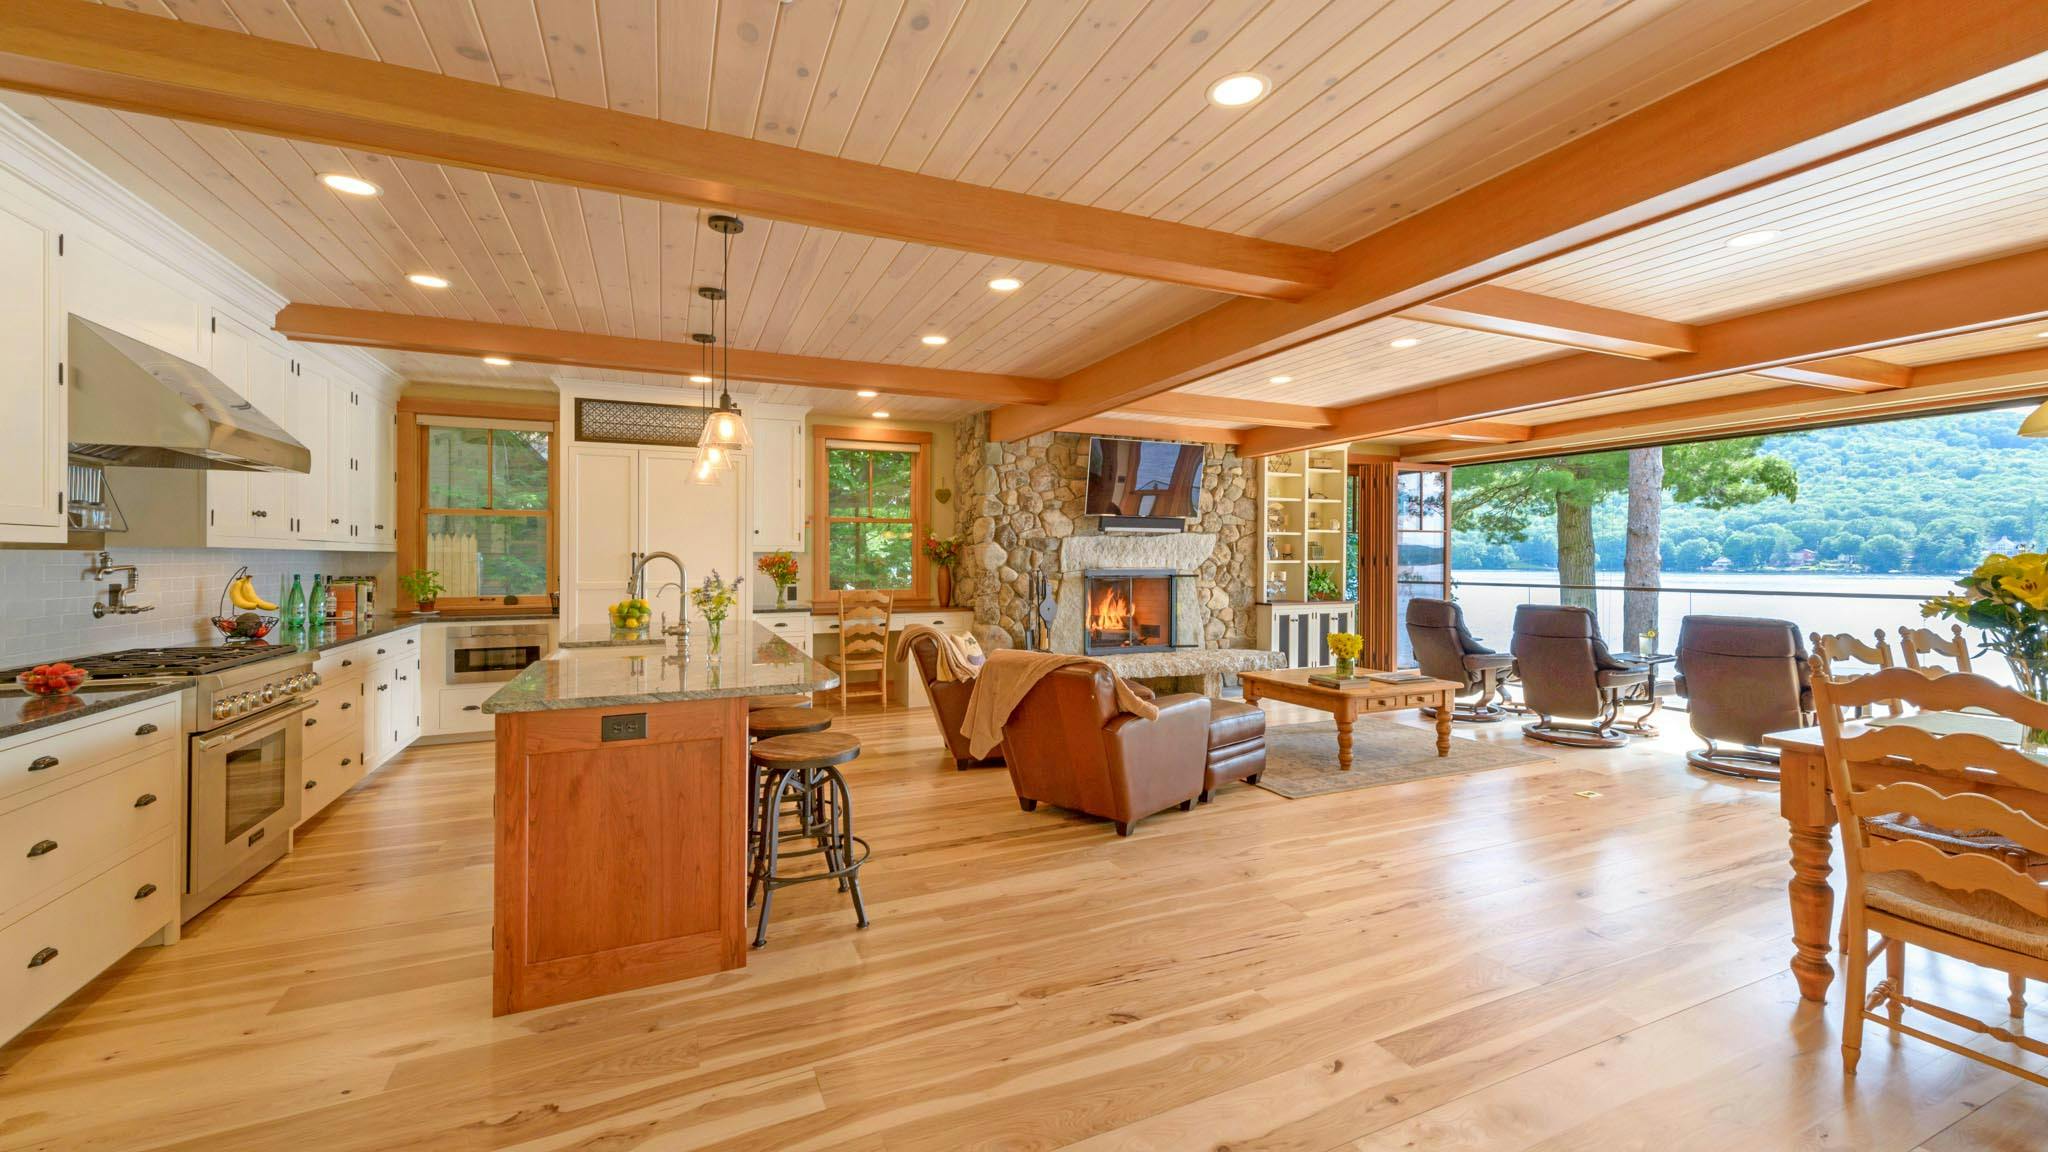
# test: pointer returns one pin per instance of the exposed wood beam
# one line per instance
(1147, 430)
(2018, 376)
(1480, 432)
(1507, 312)
(1881, 70)
(1255, 412)
(1845, 374)
(319, 324)
(1990, 294)
(112, 57)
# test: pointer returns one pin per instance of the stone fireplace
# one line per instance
(1128, 610)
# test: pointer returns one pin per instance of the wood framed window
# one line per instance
(873, 508)
(483, 502)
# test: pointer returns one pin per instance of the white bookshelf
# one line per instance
(1302, 497)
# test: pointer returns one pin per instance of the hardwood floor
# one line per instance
(1490, 961)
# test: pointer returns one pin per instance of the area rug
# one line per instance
(1301, 759)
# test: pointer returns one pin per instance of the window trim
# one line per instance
(823, 437)
(414, 417)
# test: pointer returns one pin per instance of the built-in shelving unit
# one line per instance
(1302, 500)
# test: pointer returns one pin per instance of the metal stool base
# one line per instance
(823, 808)
(1741, 763)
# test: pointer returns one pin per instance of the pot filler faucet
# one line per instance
(636, 586)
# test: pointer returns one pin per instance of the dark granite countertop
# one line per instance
(338, 635)
(21, 712)
(776, 608)
(603, 676)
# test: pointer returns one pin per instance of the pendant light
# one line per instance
(711, 462)
(2036, 425)
(725, 428)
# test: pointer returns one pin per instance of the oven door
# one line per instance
(244, 799)
(483, 656)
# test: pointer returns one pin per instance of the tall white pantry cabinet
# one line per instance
(73, 244)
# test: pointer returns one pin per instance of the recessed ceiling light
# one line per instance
(1756, 239)
(1279, 379)
(700, 378)
(497, 361)
(1239, 89)
(933, 341)
(353, 185)
(881, 415)
(426, 280)
(1403, 342)
(1005, 284)
(867, 393)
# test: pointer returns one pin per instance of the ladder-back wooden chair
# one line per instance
(864, 618)
(1831, 650)
(1955, 898)
(1918, 644)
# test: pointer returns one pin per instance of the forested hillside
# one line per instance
(1926, 495)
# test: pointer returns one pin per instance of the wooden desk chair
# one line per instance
(1841, 647)
(1919, 643)
(863, 641)
(1977, 906)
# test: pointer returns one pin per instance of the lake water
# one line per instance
(1816, 602)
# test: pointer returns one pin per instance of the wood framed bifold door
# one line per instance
(1404, 550)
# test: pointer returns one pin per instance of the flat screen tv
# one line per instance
(1143, 478)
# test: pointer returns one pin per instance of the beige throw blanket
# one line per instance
(1009, 675)
(953, 662)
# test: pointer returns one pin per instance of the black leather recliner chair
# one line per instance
(1742, 677)
(1444, 650)
(1566, 670)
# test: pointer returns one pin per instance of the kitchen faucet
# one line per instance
(636, 586)
(114, 603)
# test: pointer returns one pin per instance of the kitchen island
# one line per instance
(621, 813)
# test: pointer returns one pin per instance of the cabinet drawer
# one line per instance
(337, 711)
(1421, 699)
(397, 646)
(462, 708)
(343, 662)
(75, 937)
(330, 772)
(52, 843)
(80, 746)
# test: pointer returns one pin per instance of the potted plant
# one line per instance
(714, 598)
(1346, 646)
(1322, 583)
(779, 567)
(944, 554)
(2007, 597)
(424, 586)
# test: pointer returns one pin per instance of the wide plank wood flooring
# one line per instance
(1489, 961)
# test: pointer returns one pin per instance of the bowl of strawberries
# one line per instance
(58, 679)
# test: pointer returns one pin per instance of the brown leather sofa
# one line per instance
(1566, 670)
(1446, 651)
(1742, 677)
(1068, 745)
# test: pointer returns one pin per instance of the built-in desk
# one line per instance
(902, 685)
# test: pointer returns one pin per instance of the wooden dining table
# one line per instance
(1807, 803)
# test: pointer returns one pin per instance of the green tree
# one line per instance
(1882, 554)
(1500, 501)
(1842, 546)
(1695, 554)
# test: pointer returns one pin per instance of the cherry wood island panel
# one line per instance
(621, 815)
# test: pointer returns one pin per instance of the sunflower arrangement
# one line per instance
(2007, 598)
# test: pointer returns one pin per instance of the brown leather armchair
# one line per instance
(1067, 744)
(1446, 651)
(1566, 670)
(948, 703)
(1741, 677)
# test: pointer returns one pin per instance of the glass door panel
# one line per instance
(1422, 544)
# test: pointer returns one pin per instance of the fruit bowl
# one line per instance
(58, 679)
(247, 626)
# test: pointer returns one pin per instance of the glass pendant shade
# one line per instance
(709, 469)
(2036, 424)
(724, 428)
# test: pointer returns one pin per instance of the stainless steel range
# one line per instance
(244, 768)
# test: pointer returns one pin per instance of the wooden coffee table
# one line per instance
(1290, 685)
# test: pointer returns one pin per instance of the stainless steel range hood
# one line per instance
(141, 407)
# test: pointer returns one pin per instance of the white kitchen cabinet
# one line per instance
(394, 698)
(780, 462)
(32, 438)
(600, 531)
(309, 394)
(622, 500)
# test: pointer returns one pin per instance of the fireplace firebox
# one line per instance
(1130, 610)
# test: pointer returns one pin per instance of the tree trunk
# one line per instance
(1575, 553)
(1642, 562)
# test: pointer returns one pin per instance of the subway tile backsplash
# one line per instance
(46, 597)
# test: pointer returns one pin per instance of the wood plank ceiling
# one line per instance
(1379, 109)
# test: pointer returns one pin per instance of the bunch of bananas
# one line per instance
(242, 593)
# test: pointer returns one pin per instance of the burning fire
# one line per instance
(1112, 612)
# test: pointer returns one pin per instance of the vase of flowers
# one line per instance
(2007, 598)
(714, 599)
(1346, 646)
(779, 567)
(944, 554)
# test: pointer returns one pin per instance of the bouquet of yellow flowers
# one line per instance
(2006, 597)
(1346, 645)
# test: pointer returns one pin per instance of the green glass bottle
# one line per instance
(316, 595)
(295, 607)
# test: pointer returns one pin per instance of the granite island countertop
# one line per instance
(752, 661)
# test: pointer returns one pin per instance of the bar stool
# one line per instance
(785, 700)
(793, 767)
(767, 724)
